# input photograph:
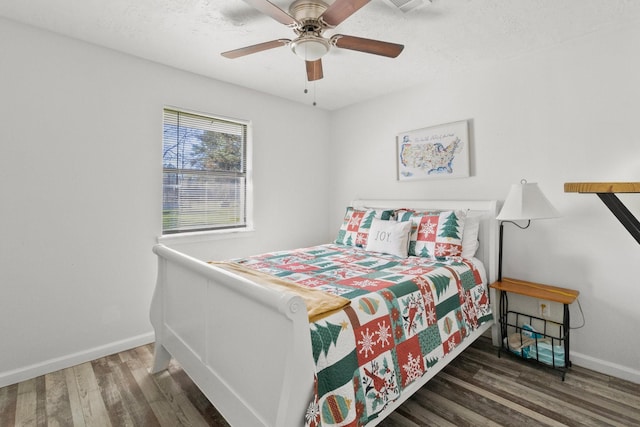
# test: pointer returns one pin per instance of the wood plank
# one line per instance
(536, 290)
(162, 409)
(396, 419)
(125, 402)
(488, 404)
(504, 402)
(450, 410)
(41, 402)
(186, 412)
(578, 400)
(602, 187)
(145, 353)
(8, 402)
(196, 397)
(508, 394)
(58, 407)
(551, 405)
(420, 415)
(93, 407)
(26, 404)
(74, 398)
(628, 402)
(110, 392)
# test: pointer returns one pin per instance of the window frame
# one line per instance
(206, 232)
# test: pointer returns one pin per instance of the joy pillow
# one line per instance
(389, 237)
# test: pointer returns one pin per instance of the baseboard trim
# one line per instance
(52, 365)
(605, 367)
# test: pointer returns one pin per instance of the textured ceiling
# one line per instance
(439, 37)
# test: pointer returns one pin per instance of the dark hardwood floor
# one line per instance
(476, 389)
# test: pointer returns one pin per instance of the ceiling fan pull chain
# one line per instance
(314, 93)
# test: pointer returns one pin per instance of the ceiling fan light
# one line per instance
(310, 48)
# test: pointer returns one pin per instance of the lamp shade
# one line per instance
(309, 47)
(525, 201)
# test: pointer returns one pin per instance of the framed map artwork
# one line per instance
(435, 152)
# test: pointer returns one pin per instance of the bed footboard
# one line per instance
(247, 347)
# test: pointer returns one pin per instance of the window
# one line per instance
(205, 180)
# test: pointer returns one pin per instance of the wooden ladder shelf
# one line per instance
(606, 191)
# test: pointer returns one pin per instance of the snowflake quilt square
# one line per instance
(297, 267)
(373, 339)
(353, 223)
(416, 270)
(370, 285)
(410, 361)
(308, 281)
(427, 227)
(339, 290)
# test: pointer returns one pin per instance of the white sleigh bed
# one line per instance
(195, 316)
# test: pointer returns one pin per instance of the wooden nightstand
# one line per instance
(548, 343)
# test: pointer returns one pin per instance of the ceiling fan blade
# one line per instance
(360, 44)
(248, 50)
(314, 70)
(273, 11)
(341, 10)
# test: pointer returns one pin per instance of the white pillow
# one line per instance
(389, 237)
(470, 242)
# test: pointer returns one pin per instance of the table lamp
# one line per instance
(525, 201)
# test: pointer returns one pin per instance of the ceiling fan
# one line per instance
(309, 19)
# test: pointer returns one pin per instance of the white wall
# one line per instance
(561, 115)
(80, 174)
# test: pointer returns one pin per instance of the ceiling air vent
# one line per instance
(405, 5)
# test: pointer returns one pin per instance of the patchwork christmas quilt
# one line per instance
(406, 315)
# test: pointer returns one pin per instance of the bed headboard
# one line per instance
(487, 210)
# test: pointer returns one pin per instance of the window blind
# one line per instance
(204, 173)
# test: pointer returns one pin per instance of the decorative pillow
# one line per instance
(389, 237)
(355, 227)
(436, 234)
(470, 242)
